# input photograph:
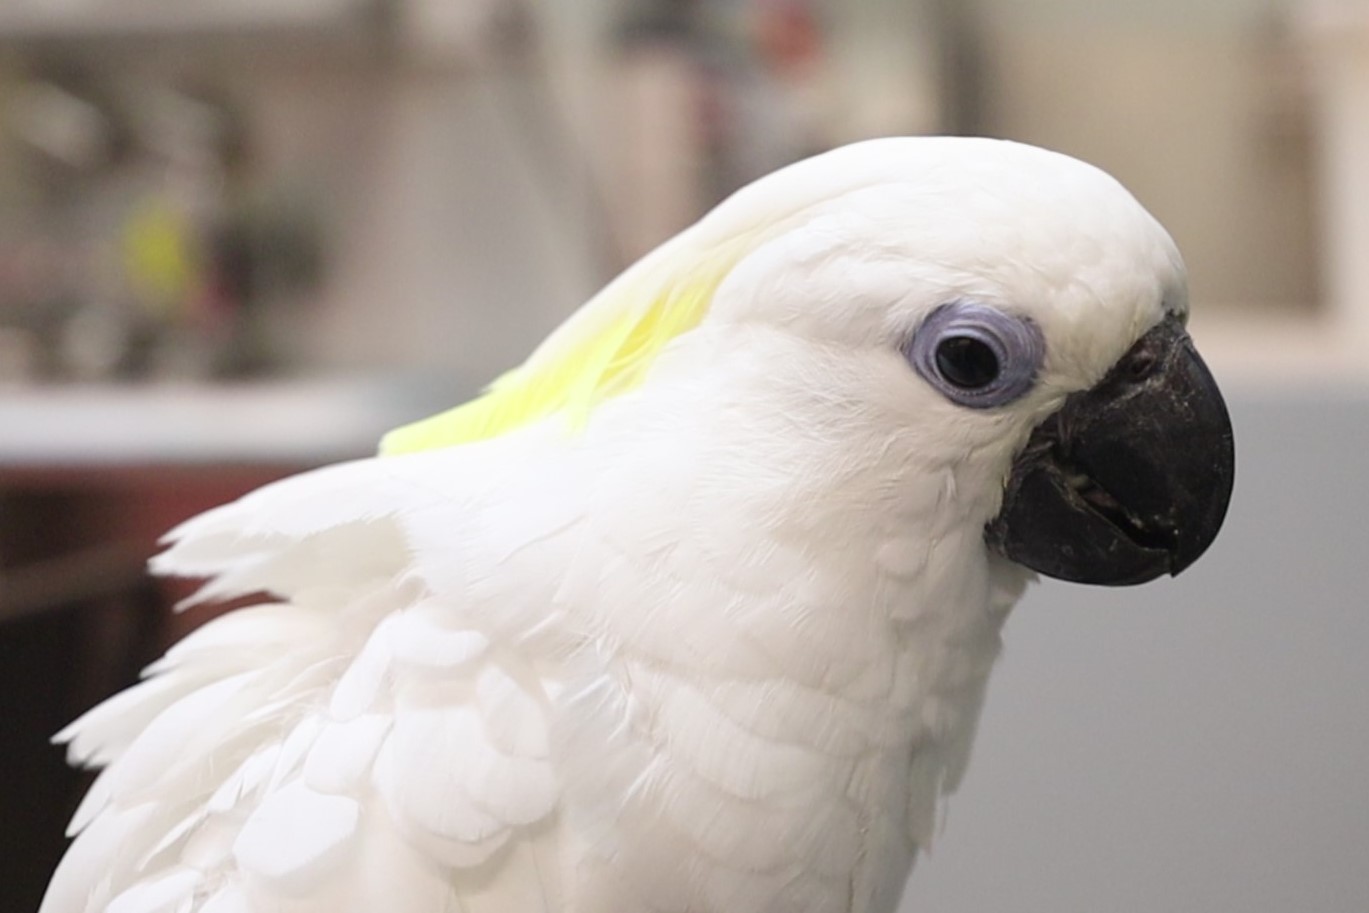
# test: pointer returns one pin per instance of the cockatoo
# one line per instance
(694, 610)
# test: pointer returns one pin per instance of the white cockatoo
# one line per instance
(694, 610)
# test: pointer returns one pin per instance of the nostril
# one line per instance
(1140, 364)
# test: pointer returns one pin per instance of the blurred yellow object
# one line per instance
(160, 259)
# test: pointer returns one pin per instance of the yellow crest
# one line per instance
(603, 349)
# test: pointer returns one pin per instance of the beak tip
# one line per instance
(1179, 562)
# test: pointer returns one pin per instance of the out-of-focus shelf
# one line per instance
(81, 20)
(301, 422)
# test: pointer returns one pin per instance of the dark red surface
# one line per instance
(78, 619)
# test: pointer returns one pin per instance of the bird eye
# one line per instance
(966, 362)
(976, 355)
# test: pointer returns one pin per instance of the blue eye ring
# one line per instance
(976, 355)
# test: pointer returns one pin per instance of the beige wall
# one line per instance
(1204, 124)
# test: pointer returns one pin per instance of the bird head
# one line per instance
(992, 308)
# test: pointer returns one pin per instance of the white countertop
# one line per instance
(282, 422)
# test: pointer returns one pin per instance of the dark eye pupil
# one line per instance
(966, 362)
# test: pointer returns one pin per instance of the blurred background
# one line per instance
(239, 238)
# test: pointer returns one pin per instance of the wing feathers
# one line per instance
(170, 892)
(297, 837)
(340, 760)
(353, 747)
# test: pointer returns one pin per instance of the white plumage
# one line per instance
(721, 649)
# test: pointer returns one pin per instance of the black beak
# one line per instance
(1129, 480)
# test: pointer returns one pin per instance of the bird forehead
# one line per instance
(875, 260)
(996, 177)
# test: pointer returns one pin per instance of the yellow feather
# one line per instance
(604, 349)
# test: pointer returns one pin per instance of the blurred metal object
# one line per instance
(20, 353)
(93, 342)
(469, 32)
(62, 124)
